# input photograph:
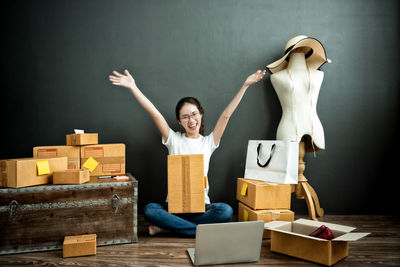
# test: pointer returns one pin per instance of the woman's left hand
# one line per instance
(255, 77)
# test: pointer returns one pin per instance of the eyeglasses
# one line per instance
(194, 115)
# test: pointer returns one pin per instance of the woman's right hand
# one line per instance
(122, 80)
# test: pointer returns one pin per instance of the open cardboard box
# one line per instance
(292, 238)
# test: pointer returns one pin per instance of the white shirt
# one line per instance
(178, 144)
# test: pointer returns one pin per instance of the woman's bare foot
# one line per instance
(153, 230)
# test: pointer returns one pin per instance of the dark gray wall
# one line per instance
(58, 55)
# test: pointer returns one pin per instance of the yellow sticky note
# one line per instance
(43, 167)
(245, 215)
(244, 189)
(90, 164)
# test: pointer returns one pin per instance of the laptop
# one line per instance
(234, 242)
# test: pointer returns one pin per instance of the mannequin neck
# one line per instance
(297, 61)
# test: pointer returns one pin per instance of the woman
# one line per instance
(189, 114)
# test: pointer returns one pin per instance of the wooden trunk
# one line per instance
(38, 218)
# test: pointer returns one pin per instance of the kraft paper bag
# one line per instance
(272, 161)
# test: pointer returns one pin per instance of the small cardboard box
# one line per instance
(248, 214)
(79, 245)
(186, 183)
(292, 238)
(71, 176)
(104, 159)
(24, 172)
(73, 153)
(262, 195)
(82, 139)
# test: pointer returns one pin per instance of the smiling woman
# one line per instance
(189, 114)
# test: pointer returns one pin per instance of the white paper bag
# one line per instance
(272, 161)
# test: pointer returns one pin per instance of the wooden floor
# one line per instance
(381, 248)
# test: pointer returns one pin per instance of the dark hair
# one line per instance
(194, 101)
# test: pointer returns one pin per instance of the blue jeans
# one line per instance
(186, 223)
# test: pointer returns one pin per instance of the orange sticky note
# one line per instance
(43, 167)
(244, 189)
(245, 215)
(90, 164)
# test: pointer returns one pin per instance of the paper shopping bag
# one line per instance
(272, 161)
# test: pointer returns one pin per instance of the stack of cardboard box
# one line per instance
(70, 164)
(263, 201)
(73, 163)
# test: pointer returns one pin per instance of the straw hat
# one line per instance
(315, 57)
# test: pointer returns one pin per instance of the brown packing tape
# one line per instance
(106, 160)
(3, 165)
(72, 138)
(188, 185)
(3, 173)
(74, 163)
(3, 179)
(275, 216)
(186, 182)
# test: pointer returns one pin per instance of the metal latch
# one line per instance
(115, 202)
(13, 209)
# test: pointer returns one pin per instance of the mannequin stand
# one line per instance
(304, 190)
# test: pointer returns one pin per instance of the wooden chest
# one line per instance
(38, 218)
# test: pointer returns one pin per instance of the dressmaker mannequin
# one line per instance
(297, 81)
(297, 88)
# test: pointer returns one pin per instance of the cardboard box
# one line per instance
(263, 195)
(82, 139)
(73, 153)
(248, 214)
(109, 159)
(3, 178)
(292, 238)
(79, 245)
(186, 183)
(18, 173)
(71, 176)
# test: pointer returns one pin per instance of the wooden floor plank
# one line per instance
(381, 248)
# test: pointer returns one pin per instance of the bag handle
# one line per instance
(270, 155)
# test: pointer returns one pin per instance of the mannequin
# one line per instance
(297, 88)
(297, 81)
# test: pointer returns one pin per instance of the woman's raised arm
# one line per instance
(225, 116)
(128, 82)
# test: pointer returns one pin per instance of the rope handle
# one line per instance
(270, 155)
